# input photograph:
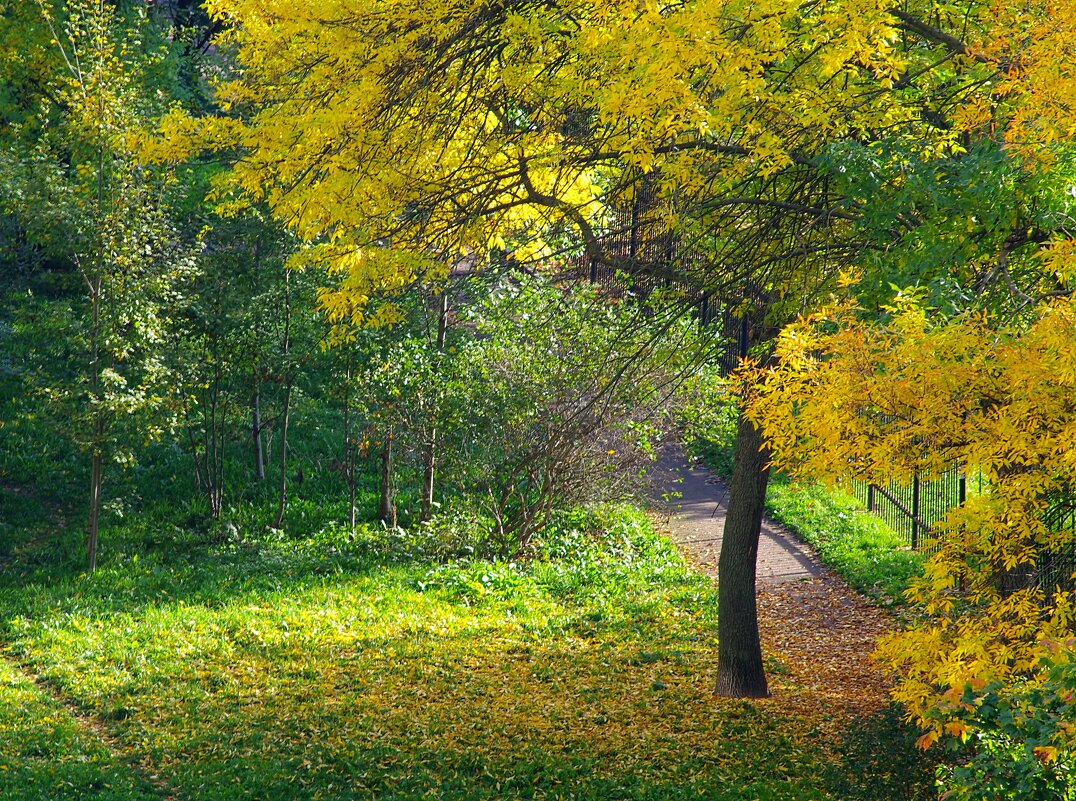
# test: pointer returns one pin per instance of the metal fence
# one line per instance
(911, 508)
(1056, 569)
(914, 508)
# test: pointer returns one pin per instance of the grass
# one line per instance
(861, 548)
(46, 753)
(332, 669)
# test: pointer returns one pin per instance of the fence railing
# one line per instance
(1056, 569)
(913, 509)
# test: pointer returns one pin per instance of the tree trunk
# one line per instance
(256, 434)
(349, 446)
(282, 497)
(429, 460)
(387, 508)
(429, 470)
(285, 352)
(95, 509)
(739, 671)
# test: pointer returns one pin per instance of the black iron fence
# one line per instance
(911, 508)
(1056, 569)
(914, 508)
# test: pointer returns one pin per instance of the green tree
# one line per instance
(80, 188)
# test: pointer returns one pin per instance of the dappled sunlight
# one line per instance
(365, 682)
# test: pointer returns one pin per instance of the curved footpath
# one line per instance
(818, 628)
(697, 519)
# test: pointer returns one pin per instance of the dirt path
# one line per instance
(821, 631)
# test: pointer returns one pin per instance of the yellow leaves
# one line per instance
(366, 117)
(1046, 753)
(1033, 89)
(914, 395)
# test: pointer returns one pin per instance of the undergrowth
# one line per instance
(355, 667)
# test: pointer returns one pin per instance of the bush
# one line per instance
(1015, 741)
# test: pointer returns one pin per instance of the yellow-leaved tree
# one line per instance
(395, 135)
(991, 661)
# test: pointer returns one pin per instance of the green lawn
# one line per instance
(860, 547)
(45, 753)
(339, 669)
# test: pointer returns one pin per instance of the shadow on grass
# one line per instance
(425, 702)
(877, 760)
(45, 753)
(273, 672)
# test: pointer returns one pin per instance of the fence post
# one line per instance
(870, 497)
(915, 512)
(962, 491)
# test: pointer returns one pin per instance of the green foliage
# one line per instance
(542, 396)
(877, 760)
(708, 415)
(940, 223)
(1022, 746)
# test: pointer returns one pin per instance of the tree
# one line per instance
(921, 395)
(393, 136)
(107, 216)
(972, 368)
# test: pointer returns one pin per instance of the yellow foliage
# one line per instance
(881, 402)
(448, 127)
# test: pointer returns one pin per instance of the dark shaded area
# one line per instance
(877, 760)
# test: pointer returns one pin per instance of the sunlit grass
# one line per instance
(281, 671)
(866, 552)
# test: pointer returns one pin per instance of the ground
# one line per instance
(340, 669)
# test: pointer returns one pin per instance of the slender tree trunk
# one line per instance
(260, 456)
(96, 466)
(282, 497)
(214, 421)
(351, 498)
(256, 433)
(387, 507)
(349, 446)
(96, 285)
(95, 509)
(739, 671)
(429, 461)
(429, 471)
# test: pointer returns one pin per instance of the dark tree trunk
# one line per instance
(739, 671)
(349, 446)
(429, 471)
(285, 352)
(256, 434)
(387, 508)
(95, 509)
